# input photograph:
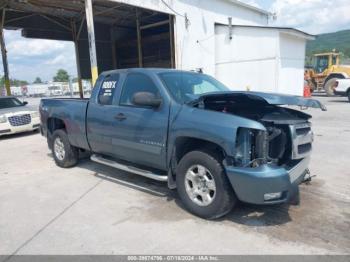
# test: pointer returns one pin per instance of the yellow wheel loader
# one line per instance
(325, 70)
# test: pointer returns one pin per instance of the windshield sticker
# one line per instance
(109, 84)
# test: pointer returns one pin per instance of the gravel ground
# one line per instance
(93, 209)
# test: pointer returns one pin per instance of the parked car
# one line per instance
(17, 116)
(214, 145)
(342, 87)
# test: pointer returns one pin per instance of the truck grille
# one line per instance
(302, 138)
(20, 120)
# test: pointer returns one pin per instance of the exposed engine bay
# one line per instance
(287, 137)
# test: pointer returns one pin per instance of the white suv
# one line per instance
(17, 116)
(342, 87)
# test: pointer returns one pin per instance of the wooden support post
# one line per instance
(139, 43)
(4, 55)
(172, 41)
(77, 59)
(91, 35)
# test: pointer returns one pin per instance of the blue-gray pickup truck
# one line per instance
(215, 146)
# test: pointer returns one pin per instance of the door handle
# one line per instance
(120, 117)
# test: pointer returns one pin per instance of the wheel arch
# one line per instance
(54, 123)
(184, 144)
(335, 75)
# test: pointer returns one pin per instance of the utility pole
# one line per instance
(4, 55)
(76, 46)
(91, 35)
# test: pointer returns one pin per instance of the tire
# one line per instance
(64, 154)
(221, 200)
(328, 86)
(348, 93)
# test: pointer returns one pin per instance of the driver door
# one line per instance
(140, 135)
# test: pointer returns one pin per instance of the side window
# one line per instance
(134, 83)
(107, 89)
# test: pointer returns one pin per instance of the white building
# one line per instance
(247, 55)
(227, 39)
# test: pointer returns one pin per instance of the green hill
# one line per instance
(327, 42)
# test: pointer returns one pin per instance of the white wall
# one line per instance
(195, 45)
(291, 64)
(248, 60)
(260, 59)
(252, 59)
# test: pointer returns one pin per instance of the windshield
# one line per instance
(321, 63)
(9, 102)
(186, 86)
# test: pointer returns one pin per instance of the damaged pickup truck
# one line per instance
(214, 145)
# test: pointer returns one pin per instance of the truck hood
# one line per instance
(270, 98)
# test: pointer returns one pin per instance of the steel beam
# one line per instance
(114, 51)
(76, 47)
(80, 27)
(4, 55)
(55, 22)
(20, 18)
(139, 44)
(92, 45)
(172, 41)
(155, 24)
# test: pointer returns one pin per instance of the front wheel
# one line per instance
(203, 186)
(329, 86)
(64, 154)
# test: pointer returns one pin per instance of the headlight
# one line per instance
(3, 119)
(34, 114)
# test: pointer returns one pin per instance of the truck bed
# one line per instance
(73, 113)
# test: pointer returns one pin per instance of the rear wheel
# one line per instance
(203, 186)
(64, 154)
(348, 93)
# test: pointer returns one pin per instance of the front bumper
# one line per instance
(7, 129)
(250, 184)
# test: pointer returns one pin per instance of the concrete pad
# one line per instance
(93, 209)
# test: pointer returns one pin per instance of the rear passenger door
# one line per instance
(100, 120)
(141, 132)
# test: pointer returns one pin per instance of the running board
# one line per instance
(100, 159)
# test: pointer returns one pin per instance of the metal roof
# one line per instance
(287, 30)
(106, 12)
(253, 8)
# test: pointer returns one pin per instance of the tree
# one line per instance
(37, 80)
(13, 82)
(16, 82)
(61, 76)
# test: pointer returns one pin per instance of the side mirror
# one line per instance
(25, 103)
(146, 99)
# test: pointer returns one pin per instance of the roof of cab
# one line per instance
(145, 70)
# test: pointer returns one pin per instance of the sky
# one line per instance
(29, 58)
(311, 16)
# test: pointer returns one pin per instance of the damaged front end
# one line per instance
(270, 163)
(278, 144)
